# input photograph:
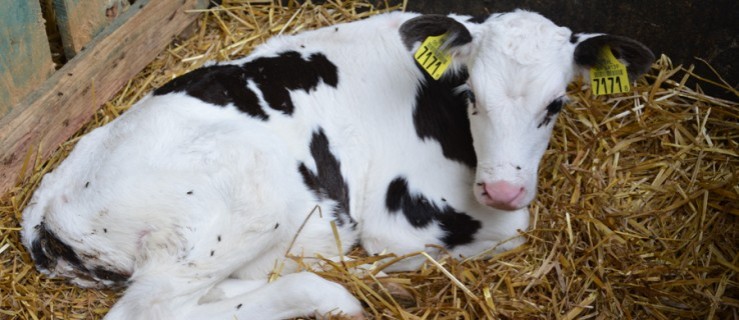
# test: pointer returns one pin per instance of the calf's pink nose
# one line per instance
(503, 195)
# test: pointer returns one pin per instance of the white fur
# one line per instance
(244, 182)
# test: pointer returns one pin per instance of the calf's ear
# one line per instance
(634, 55)
(416, 30)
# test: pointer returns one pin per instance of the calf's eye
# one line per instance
(553, 108)
(470, 96)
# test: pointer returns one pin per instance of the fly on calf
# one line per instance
(191, 197)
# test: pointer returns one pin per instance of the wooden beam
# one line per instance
(80, 21)
(25, 58)
(55, 111)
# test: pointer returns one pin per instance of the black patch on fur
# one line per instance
(105, 274)
(638, 56)
(39, 257)
(417, 209)
(419, 28)
(47, 249)
(274, 76)
(460, 228)
(420, 212)
(480, 18)
(219, 85)
(309, 178)
(328, 181)
(440, 114)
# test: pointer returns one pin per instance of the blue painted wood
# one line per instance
(79, 21)
(25, 58)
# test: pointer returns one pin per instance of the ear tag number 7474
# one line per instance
(431, 58)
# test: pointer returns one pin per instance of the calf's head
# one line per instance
(519, 66)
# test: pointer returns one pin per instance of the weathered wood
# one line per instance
(56, 110)
(25, 58)
(80, 21)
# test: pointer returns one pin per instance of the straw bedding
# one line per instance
(636, 216)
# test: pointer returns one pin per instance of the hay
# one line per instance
(636, 216)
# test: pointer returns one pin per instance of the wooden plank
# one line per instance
(51, 114)
(80, 21)
(25, 58)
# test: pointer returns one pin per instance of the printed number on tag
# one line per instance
(431, 59)
(610, 77)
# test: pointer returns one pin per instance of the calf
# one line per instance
(194, 195)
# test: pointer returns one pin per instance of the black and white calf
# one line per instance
(192, 197)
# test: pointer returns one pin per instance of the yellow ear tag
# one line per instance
(611, 76)
(431, 59)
